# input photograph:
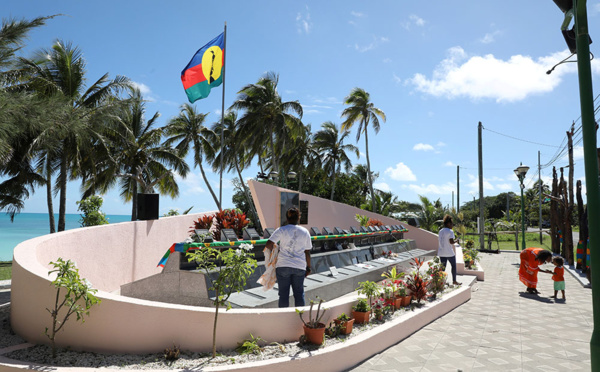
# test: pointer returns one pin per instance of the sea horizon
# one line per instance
(31, 225)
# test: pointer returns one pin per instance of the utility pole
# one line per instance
(540, 182)
(588, 125)
(457, 189)
(481, 219)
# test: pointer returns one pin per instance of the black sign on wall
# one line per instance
(303, 212)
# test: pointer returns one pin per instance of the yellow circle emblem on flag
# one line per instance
(212, 63)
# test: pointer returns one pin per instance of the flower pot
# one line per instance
(361, 317)
(346, 326)
(397, 302)
(315, 335)
(406, 300)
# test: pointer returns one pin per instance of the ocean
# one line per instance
(32, 225)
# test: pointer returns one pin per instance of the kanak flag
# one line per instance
(205, 70)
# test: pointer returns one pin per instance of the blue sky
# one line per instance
(436, 69)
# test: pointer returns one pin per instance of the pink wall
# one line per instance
(112, 255)
(327, 213)
(116, 254)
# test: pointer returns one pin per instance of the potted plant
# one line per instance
(416, 283)
(404, 296)
(314, 330)
(380, 308)
(437, 274)
(369, 289)
(361, 312)
(345, 323)
(395, 277)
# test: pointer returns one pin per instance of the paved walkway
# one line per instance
(501, 328)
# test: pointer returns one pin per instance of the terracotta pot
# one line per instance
(346, 325)
(315, 335)
(361, 317)
(406, 300)
(397, 302)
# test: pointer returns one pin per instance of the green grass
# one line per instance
(5, 270)
(506, 242)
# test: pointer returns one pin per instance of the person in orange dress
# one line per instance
(531, 258)
(558, 276)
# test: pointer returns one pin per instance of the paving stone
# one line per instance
(502, 328)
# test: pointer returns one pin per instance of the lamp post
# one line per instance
(578, 9)
(275, 177)
(521, 171)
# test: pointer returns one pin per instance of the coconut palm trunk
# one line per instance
(248, 199)
(62, 182)
(369, 172)
(209, 187)
(50, 204)
(333, 182)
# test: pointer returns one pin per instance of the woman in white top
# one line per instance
(293, 261)
(446, 247)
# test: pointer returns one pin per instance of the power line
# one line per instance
(518, 139)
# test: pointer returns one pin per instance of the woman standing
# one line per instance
(446, 251)
(531, 258)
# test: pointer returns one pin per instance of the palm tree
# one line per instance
(60, 72)
(360, 172)
(266, 117)
(330, 145)
(302, 156)
(362, 110)
(235, 154)
(429, 213)
(188, 130)
(21, 118)
(134, 155)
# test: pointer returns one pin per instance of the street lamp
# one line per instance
(521, 171)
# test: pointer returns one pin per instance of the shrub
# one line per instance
(78, 299)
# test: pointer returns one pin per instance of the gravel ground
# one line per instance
(42, 354)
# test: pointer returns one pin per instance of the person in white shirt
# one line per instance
(446, 247)
(293, 261)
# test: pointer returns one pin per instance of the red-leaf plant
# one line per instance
(415, 282)
(203, 222)
(230, 219)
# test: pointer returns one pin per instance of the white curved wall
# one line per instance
(116, 254)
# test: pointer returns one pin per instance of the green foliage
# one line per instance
(250, 345)
(369, 289)
(343, 317)
(92, 216)
(437, 275)
(362, 220)
(313, 321)
(78, 297)
(232, 267)
(362, 306)
(5, 270)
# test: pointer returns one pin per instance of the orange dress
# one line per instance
(529, 267)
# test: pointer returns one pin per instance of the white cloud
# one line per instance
(382, 186)
(504, 186)
(423, 189)
(487, 77)
(387, 60)
(577, 152)
(377, 41)
(449, 164)
(417, 20)
(397, 79)
(422, 147)
(489, 37)
(303, 22)
(357, 14)
(144, 89)
(413, 20)
(401, 173)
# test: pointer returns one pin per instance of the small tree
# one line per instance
(92, 216)
(78, 298)
(233, 269)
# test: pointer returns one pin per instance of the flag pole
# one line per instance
(222, 119)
